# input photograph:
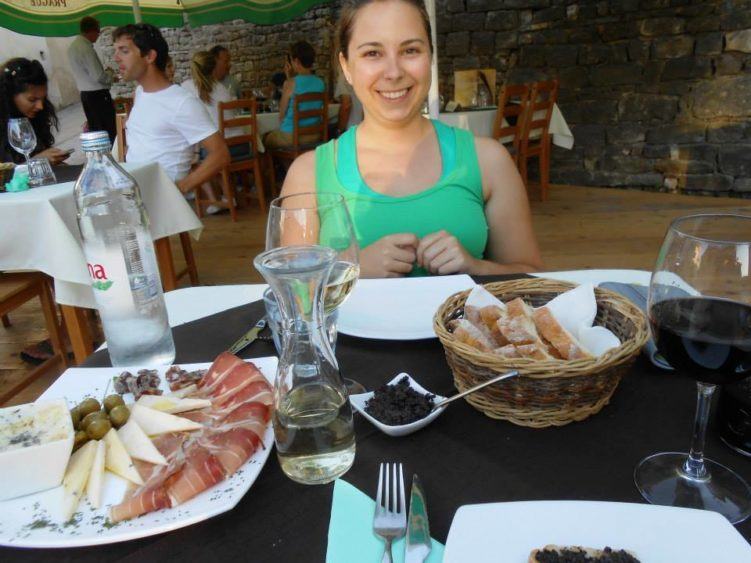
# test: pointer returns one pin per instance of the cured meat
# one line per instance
(201, 471)
(233, 431)
(142, 502)
(233, 447)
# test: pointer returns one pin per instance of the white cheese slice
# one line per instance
(96, 476)
(74, 481)
(184, 392)
(138, 445)
(172, 405)
(155, 422)
(117, 459)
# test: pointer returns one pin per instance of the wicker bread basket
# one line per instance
(546, 393)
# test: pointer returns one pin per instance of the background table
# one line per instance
(463, 457)
(268, 121)
(40, 232)
(480, 122)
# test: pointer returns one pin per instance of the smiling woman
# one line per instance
(425, 198)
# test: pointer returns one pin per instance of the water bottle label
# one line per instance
(109, 278)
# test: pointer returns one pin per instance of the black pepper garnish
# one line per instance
(565, 555)
(399, 404)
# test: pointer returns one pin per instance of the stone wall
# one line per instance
(657, 92)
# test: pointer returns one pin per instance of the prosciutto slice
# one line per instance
(233, 431)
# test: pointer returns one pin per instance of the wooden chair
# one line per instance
(17, 289)
(342, 117)
(123, 105)
(509, 119)
(319, 128)
(122, 145)
(241, 165)
(169, 275)
(535, 138)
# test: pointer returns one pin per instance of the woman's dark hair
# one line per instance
(303, 52)
(16, 76)
(88, 24)
(349, 12)
(217, 50)
(146, 37)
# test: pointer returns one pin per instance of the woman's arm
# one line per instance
(512, 246)
(287, 90)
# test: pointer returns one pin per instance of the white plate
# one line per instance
(507, 532)
(34, 521)
(397, 309)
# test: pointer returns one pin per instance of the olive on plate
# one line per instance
(98, 428)
(75, 417)
(112, 401)
(88, 406)
(80, 439)
(91, 417)
(119, 415)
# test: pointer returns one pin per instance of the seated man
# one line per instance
(300, 80)
(221, 71)
(166, 121)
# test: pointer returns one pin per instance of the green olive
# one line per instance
(88, 406)
(112, 401)
(119, 415)
(75, 417)
(80, 439)
(98, 428)
(91, 417)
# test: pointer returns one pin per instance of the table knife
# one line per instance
(418, 531)
(248, 338)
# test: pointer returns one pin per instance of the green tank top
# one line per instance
(455, 203)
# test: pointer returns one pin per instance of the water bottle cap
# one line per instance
(95, 141)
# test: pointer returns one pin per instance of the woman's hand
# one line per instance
(53, 154)
(389, 257)
(442, 253)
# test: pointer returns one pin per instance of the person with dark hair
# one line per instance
(274, 90)
(92, 80)
(166, 120)
(300, 80)
(23, 93)
(425, 198)
(221, 71)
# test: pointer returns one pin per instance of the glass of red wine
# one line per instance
(700, 314)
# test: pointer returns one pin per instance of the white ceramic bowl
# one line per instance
(39, 463)
(358, 401)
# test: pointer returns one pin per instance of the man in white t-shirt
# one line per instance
(166, 121)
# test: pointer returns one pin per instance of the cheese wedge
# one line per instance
(117, 459)
(76, 475)
(138, 445)
(155, 422)
(172, 405)
(184, 392)
(96, 476)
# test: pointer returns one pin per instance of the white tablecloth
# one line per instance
(39, 231)
(480, 122)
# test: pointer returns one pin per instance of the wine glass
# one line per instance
(21, 136)
(700, 313)
(320, 218)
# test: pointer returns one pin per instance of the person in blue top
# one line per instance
(300, 80)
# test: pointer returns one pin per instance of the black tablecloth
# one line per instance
(463, 457)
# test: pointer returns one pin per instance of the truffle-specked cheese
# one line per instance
(33, 424)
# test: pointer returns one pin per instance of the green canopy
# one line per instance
(59, 18)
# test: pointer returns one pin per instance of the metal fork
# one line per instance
(390, 518)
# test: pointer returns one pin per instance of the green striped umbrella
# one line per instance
(59, 18)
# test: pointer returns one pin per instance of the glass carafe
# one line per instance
(313, 427)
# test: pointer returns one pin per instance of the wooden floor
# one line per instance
(577, 228)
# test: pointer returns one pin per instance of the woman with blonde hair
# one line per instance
(425, 198)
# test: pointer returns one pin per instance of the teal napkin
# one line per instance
(351, 536)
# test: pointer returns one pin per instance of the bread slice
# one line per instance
(466, 332)
(577, 554)
(562, 340)
(507, 351)
(518, 326)
(485, 319)
(534, 351)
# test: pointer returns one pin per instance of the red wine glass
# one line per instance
(700, 314)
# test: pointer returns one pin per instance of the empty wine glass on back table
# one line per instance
(700, 314)
(319, 218)
(21, 136)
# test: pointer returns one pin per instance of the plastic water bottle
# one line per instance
(121, 260)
